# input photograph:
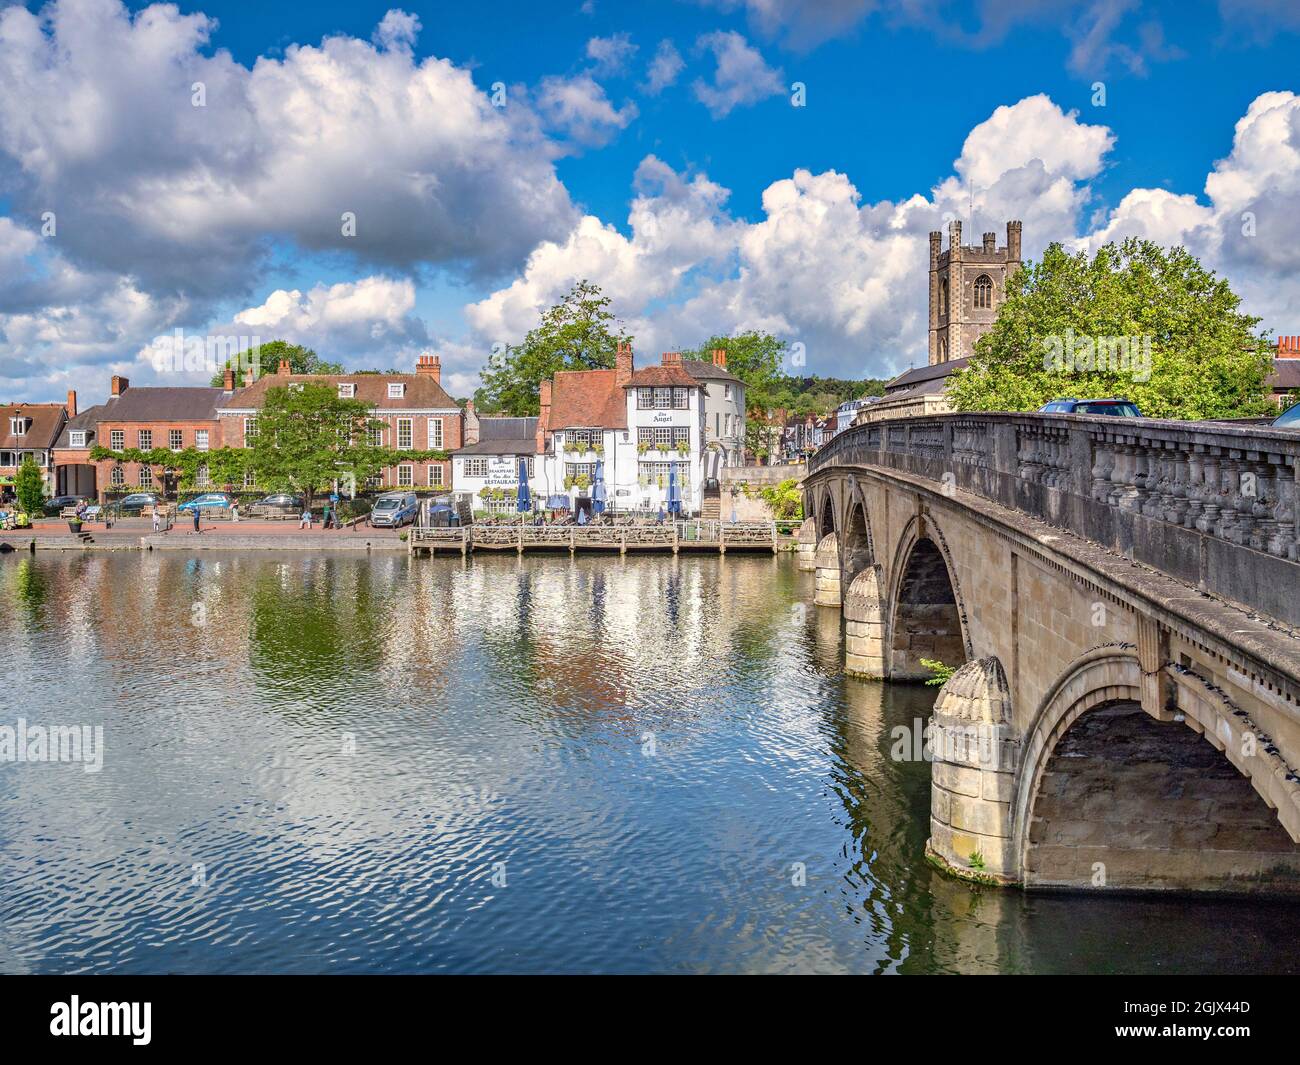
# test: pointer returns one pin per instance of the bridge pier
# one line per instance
(828, 572)
(972, 776)
(864, 627)
(806, 555)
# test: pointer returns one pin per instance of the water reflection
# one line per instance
(519, 764)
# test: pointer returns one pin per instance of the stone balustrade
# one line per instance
(1214, 504)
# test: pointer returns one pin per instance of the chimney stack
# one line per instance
(720, 358)
(672, 358)
(249, 378)
(72, 404)
(228, 380)
(284, 368)
(1288, 347)
(623, 364)
(543, 415)
(430, 365)
(471, 423)
(120, 385)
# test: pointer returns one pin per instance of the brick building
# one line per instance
(30, 430)
(148, 418)
(417, 413)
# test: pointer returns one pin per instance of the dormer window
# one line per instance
(396, 389)
(77, 438)
(347, 390)
(18, 426)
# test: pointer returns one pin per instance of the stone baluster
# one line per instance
(1176, 511)
(1103, 462)
(1210, 492)
(1195, 486)
(1264, 506)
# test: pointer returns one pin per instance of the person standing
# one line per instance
(157, 519)
(196, 520)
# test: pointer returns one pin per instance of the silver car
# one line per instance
(393, 510)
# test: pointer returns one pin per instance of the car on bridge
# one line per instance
(1288, 419)
(1113, 407)
(1118, 408)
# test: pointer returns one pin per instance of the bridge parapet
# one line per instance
(1212, 504)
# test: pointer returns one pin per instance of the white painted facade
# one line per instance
(636, 459)
(473, 473)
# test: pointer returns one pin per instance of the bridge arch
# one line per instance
(857, 550)
(1110, 796)
(927, 617)
(826, 514)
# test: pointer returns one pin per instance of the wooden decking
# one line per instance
(716, 536)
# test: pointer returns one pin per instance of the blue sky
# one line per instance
(707, 203)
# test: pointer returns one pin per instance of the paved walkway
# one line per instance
(137, 532)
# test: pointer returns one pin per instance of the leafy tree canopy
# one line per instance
(265, 358)
(308, 438)
(578, 333)
(29, 486)
(1135, 321)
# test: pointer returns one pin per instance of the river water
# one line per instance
(339, 764)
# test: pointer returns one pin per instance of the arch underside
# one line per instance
(1131, 803)
(927, 620)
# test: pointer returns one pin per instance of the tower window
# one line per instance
(984, 291)
(943, 296)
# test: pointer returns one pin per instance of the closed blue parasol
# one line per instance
(525, 502)
(598, 493)
(674, 491)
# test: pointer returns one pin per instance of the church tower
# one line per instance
(967, 285)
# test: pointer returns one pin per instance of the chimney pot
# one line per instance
(430, 365)
(284, 367)
(228, 380)
(672, 358)
(249, 377)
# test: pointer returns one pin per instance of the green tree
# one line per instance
(308, 438)
(578, 333)
(1136, 320)
(754, 357)
(265, 358)
(29, 487)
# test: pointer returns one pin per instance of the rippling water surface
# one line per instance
(385, 765)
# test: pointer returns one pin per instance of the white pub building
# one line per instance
(641, 424)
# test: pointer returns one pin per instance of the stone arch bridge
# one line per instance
(1122, 599)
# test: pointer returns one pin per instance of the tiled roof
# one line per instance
(422, 392)
(587, 399)
(46, 419)
(1285, 375)
(662, 376)
(925, 373)
(707, 371)
(504, 436)
(148, 404)
(87, 420)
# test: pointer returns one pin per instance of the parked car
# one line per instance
(1118, 408)
(136, 503)
(53, 507)
(393, 510)
(207, 501)
(280, 504)
(1288, 419)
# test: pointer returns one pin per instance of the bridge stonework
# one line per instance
(1119, 599)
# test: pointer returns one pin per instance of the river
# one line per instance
(338, 764)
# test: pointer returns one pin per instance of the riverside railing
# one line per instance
(1212, 503)
(690, 534)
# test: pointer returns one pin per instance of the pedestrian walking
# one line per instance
(157, 519)
(196, 520)
(234, 513)
(325, 523)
